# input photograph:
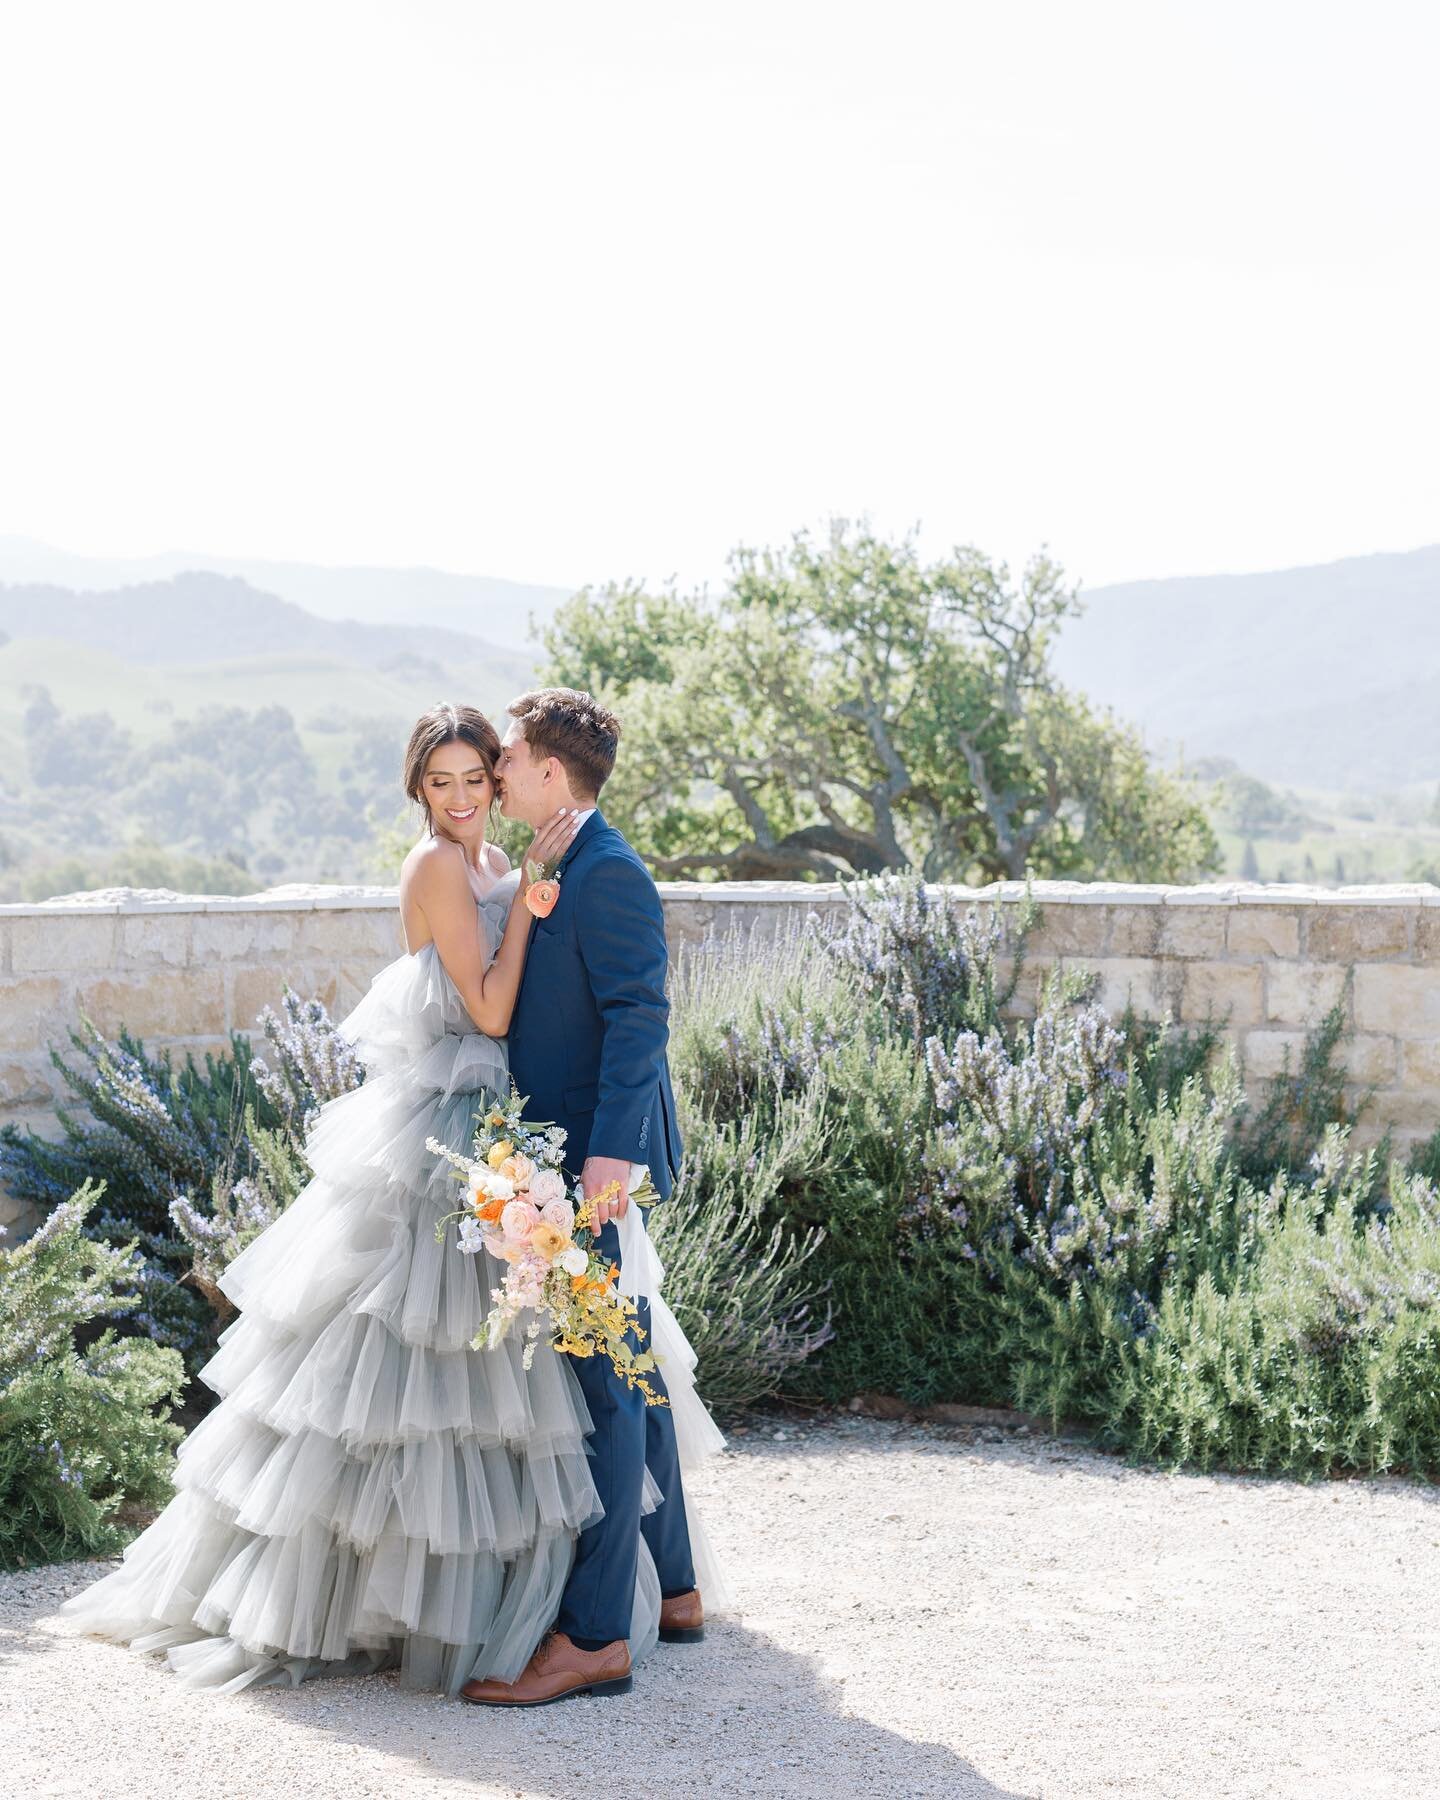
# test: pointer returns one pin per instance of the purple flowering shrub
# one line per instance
(1078, 1214)
(156, 1134)
(310, 1063)
(83, 1431)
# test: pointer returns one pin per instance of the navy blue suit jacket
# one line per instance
(591, 1022)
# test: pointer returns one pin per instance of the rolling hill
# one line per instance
(1327, 676)
(495, 610)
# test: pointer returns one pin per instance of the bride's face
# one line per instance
(458, 790)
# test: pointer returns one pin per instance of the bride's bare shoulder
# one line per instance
(430, 859)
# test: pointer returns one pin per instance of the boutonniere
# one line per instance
(543, 891)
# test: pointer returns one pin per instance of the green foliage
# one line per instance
(157, 1134)
(152, 1129)
(83, 1432)
(1081, 1216)
(843, 707)
(735, 1274)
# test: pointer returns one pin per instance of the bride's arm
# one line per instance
(444, 896)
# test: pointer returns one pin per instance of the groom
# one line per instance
(587, 1051)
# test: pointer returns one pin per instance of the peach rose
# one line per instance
(518, 1220)
(559, 1213)
(541, 896)
(547, 1186)
(518, 1169)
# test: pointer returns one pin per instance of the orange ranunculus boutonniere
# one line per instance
(541, 895)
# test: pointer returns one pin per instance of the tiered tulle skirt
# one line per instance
(370, 1492)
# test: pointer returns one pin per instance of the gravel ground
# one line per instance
(926, 1611)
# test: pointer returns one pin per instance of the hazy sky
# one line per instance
(569, 291)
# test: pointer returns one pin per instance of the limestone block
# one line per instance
(153, 940)
(351, 984)
(1346, 934)
(1413, 1111)
(1420, 1063)
(20, 1218)
(1264, 1053)
(1150, 987)
(1427, 933)
(253, 989)
(1363, 1058)
(1263, 931)
(1372, 1057)
(29, 1083)
(1022, 1003)
(1301, 993)
(687, 922)
(1068, 930)
(62, 942)
(1403, 998)
(1193, 931)
(245, 936)
(30, 1011)
(156, 1004)
(327, 934)
(1232, 994)
(1135, 931)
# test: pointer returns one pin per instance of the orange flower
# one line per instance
(490, 1211)
(541, 896)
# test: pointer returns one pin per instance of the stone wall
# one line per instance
(184, 972)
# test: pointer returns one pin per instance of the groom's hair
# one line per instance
(574, 728)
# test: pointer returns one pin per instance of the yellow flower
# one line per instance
(548, 1242)
(498, 1152)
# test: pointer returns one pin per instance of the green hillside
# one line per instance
(224, 776)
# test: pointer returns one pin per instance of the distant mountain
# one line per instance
(199, 617)
(1326, 676)
(479, 605)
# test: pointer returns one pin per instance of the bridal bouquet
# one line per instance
(516, 1208)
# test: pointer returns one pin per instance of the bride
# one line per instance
(370, 1491)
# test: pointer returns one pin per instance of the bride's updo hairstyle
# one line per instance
(447, 724)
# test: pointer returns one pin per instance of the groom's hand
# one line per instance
(599, 1173)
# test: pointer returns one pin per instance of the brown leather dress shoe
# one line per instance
(557, 1670)
(682, 1620)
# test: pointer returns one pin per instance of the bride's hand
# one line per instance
(549, 844)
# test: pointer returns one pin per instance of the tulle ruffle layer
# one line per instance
(370, 1491)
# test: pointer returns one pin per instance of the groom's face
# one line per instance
(527, 787)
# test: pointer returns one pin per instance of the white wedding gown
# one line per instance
(370, 1491)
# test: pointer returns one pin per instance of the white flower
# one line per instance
(574, 1261)
(471, 1236)
(492, 1186)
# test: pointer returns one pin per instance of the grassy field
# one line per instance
(316, 690)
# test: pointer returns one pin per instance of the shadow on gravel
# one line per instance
(733, 1716)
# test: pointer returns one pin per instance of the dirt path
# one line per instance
(926, 1612)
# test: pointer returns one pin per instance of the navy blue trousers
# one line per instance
(629, 1436)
